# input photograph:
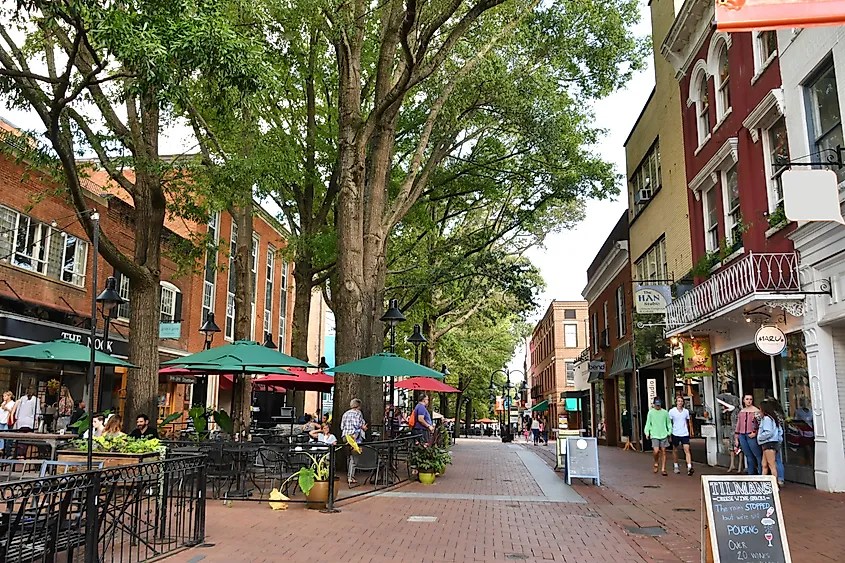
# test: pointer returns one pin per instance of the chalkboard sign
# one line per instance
(582, 459)
(742, 520)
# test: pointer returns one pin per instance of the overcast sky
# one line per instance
(565, 258)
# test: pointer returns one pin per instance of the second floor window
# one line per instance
(570, 373)
(702, 108)
(647, 178)
(652, 264)
(733, 216)
(123, 291)
(621, 320)
(711, 219)
(594, 330)
(825, 117)
(570, 335)
(777, 149)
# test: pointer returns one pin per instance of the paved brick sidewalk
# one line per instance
(632, 495)
(467, 529)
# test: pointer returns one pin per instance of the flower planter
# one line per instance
(442, 471)
(318, 496)
(109, 459)
(427, 478)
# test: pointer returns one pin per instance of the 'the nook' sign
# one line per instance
(770, 340)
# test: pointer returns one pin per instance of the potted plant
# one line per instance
(199, 420)
(114, 451)
(313, 480)
(428, 460)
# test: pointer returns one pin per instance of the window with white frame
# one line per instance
(229, 332)
(647, 179)
(711, 219)
(570, 335)
(776, 146)
(702, 107)
(283, 305)
(723, 83)
(594, 331)
(268, 289)
(652, 265)
(733, 216)
(123, 291)
(570, 372)
(169, 299)
(606, 331)
(825, 116)
(621, 315)
(254, 277)
(210, 274)
(74, 259)
(765, 48)
(32, 239)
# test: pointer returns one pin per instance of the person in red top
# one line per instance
(746, 435)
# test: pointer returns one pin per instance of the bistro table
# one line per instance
(38, 439)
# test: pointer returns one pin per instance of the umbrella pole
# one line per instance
(96, 243)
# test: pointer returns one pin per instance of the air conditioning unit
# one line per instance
(642, 196)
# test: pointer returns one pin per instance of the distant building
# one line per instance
(555, 344)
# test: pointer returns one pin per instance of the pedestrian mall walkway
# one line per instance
(503, 502)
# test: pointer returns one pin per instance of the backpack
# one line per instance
(412, 420)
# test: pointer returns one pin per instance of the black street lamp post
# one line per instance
(417, 339)
(392, 317)
(507, 436)
(268, 341)
(208, 328)
(109, 299)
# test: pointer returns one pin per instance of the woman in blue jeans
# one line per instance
(746, 435)
(780, 416)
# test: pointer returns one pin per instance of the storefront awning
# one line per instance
(544, 406)
(595, 376)
(622, 360)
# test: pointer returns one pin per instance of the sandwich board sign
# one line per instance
(582, 459)
(742, 520)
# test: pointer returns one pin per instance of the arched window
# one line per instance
(702, 108)
(723, 83)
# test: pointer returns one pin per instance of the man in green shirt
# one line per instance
(658, 427)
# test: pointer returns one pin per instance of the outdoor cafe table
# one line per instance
(37, 439)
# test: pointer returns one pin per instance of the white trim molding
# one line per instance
(767, 112)
(615, 261)
(694, 91)
(687, 34)
(713, 50)
(725, 157)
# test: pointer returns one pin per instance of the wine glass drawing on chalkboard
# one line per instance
(768, 523)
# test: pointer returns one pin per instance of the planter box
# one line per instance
(109, 459)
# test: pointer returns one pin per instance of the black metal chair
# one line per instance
(368, 461)
(19, 469)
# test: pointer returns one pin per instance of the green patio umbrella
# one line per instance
(243, 352)
(230, 365)
(61, 351)
(386, 365)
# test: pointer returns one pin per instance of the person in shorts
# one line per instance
(680, 434)
(658, 427)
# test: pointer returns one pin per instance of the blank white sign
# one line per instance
(811, 195)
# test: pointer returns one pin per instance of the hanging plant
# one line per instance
(53, 386)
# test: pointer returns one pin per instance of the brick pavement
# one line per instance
(472, 528)
(628, 497)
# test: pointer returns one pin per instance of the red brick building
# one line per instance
(609, 297)
(45, 286)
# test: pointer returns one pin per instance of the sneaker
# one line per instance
(677, 471)
(690, 471)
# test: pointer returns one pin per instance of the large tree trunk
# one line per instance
(303, 274)
(244, 293)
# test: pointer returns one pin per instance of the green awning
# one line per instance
(622, 360)
(594, 376)
(544, 406)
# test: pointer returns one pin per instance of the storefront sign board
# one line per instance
(742, 520)
(170, 330)
(652, 299)
(697, 357)
(651, 390)
(582, 459)
(37, 331)
(770, 340)
(597, 367)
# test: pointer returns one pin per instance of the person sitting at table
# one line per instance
(98, 424)
(325, 436)
(78, 412)
(326, 418)
(310, 425)
(114, 426)
(143, 430)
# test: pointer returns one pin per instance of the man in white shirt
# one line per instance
(680, 433)
(27, 412)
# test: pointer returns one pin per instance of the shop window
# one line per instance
(794, 395)
(824, 115)
(728, 400)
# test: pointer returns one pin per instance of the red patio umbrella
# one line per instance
(425, 384)
(301, 380)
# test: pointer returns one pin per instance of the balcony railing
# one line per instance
(773, 272)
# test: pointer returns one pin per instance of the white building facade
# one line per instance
(812, 63)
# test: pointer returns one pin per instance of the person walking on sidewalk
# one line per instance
(680, 434)
(746, 435)
(781, 419)
(658, 427)
(535, 430)
(770, 437)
